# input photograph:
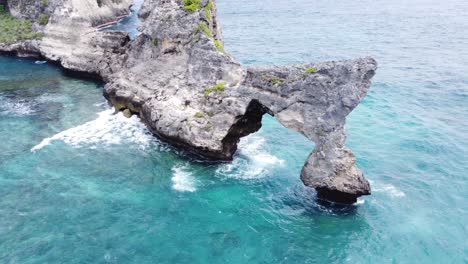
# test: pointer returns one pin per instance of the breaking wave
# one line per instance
(183, 180)
(108, 129)
(252, 161)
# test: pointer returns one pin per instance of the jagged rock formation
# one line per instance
(189, 91)
(69, 36)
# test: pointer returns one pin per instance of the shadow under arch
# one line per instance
(245, 124)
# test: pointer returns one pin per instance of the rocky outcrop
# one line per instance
(190, 92)
(69, 37)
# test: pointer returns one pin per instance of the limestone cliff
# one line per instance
(69, 36)
(189, 91)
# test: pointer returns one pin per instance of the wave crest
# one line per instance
(183, 180)
(108, 129)
(253, 160)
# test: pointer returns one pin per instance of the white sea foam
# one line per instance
(253, 160)
(359, 202)
(107, 129)
(16, 107)
(40, 62)
(183, 180)
(387, 189)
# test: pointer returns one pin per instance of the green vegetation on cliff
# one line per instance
(218, 45)
(13, 30)
(208, 8)
(43, 19)
(217, 89)
(191, 5)
(203, 27)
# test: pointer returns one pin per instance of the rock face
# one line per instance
(190, 92)
(70, 38)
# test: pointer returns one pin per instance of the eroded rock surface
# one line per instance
(189, 91)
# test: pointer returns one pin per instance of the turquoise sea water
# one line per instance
(81, 185)
(130, 23)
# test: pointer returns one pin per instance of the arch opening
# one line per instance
(244, 125)
(330, 168)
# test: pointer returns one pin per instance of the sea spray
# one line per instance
(252, 161)
(182, 179)
(108, 129)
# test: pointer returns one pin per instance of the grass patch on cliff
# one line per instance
(203, 27)
(43, 19)
(199, 115)
(208, 127)
(218, 45)
(310, 70)
(272, 79)
(14, 30)
(192, 5)
(217, 89)
(208, 8)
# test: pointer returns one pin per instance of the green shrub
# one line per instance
(155, 42)
(191, 5)
(217, 89)
(45, 2)
(310, 70)
(203, 27)
(277, 80)
(2, 9)
(43, 19)
(199, 115)
(272, 79)
(13, 30)
(218, 45)
(208, 8)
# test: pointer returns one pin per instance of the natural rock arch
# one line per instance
(314, 103)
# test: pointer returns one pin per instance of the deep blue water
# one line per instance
(97, 188)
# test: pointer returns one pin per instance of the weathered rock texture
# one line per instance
(70, 37)
(189, 91)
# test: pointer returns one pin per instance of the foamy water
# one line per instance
(108, 129)
(387, 189)
(182, 179)
(252, 161)
(16, 107)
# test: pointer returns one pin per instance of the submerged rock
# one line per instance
(189, 91)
